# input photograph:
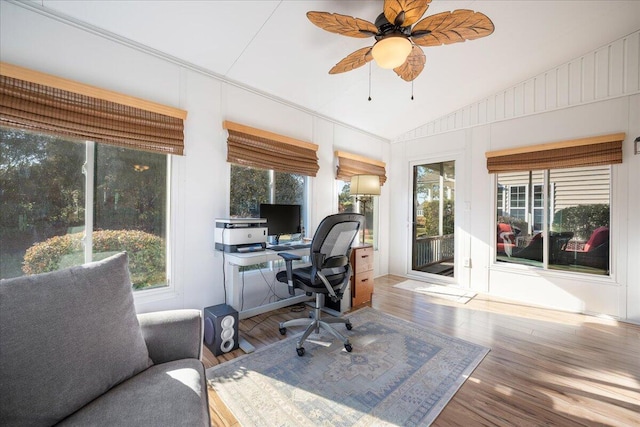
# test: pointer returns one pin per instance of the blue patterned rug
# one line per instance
(399, 373)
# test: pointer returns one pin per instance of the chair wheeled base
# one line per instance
(316, 323)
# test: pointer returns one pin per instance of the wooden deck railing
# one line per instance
(432, 250)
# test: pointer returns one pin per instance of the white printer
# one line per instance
(241, 234)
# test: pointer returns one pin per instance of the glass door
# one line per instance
(434, 188)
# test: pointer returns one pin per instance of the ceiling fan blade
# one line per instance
(413, 66)
(405, 12)
(343, 24)
(353, 60)
(451, 27)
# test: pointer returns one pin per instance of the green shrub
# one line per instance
(581, 219)
(146, 254)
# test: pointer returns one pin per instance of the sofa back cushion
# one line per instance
(66, 337)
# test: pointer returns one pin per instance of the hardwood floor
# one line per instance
(545, 367)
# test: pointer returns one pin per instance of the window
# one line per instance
(500, 200)
(83, 175)
(65, 202)
(348, 203)
(538, 207)
(575, 222)
(518, 201)
(566, 222)
(252, 186)
(350, 165)
(267, 168)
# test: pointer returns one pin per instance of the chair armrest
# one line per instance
(288, 262)
(172, 334)
(290, 257)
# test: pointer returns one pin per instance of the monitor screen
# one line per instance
(282, 219)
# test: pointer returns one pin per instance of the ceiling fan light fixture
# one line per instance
(391, 51)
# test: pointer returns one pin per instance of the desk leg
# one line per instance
(233, 285)
(234, 298)
(235, 290)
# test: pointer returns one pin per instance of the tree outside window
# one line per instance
(249, 187)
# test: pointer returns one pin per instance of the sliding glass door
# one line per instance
(434, 189)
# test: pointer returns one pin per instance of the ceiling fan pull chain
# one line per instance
(369, 81)
(412, 90)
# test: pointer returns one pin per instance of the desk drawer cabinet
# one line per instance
(362, 279)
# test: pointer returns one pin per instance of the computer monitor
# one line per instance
(282, 219)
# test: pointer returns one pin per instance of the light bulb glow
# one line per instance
(391, 52)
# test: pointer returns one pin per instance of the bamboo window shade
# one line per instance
(352, 164)
(593, 151)
(38, 102)
(256, 148)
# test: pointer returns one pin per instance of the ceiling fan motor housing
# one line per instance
(386, 28)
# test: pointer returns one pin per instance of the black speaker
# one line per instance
(220, 329)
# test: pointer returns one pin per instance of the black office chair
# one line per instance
(328, 274)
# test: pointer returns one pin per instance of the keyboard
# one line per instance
(279, 248)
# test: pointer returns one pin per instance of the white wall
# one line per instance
(632, 196)
(200, 179)
(596, 94)
(606, 72)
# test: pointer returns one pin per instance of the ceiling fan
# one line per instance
(397, 38)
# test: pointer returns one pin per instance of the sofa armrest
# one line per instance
(172, 334)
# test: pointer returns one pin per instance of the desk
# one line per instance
(232, 264)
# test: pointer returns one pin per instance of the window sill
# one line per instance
(551, 273)
(154, 295)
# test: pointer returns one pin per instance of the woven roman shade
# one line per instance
(39, 102)
(594, 151)
(247, 146)
(353, 164)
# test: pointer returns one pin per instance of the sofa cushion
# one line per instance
(66, 337)
(169, 394)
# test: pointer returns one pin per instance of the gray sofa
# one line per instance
(74, 352)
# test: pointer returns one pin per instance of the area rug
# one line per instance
(438, 291)
(399, 373)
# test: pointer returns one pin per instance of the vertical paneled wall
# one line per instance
(608, 72)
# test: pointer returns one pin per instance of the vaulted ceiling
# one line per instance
(270, 46)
